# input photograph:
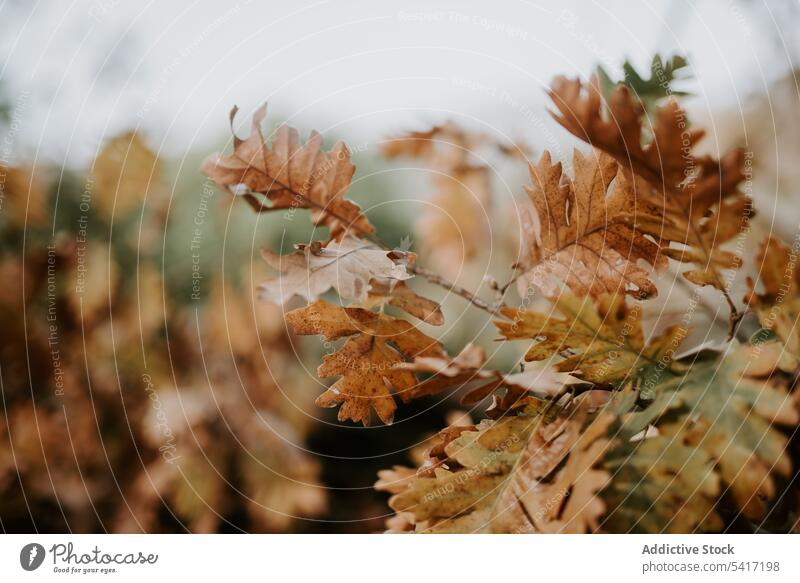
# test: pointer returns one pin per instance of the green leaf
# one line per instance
(650, 91)
(730, 408)
(660, 485)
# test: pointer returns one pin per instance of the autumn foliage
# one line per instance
(607, 429)
(135, 404)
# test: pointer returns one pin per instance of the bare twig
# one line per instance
(436, 279)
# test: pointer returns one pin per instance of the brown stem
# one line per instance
(516, 273)
(435, 278)
(735, 316)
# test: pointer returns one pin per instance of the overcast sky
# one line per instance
(77, 71)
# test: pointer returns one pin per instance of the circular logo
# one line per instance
(31, 556)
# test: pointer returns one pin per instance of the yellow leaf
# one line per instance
(602, 342)
(731, 409)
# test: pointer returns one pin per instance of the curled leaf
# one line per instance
(399, 295)
(466, 370)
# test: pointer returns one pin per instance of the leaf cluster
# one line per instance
(610, 429)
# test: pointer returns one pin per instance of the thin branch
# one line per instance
(515, 276)
(436, 279)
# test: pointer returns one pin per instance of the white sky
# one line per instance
(88, 69)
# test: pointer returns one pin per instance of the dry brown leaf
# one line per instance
(701, 204)
(446, 145)
(366, 364)
(291, 175)
(450, 373)
(347, 265)
(577, 234)
(778, 306)
(518, 474)
(454, 227)
(399, 295)
(580, 109)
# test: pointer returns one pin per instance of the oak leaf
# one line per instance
(417, 144)
(517, 474)
(448, 144)
(291, 175)
(455, 227)
(724, 409)
(702, 206)
(778, 306)
(347, 265)
(396, 293)
(366, 364)
(579, 235)
(653, 90)
(394, 480)
(602, 341)
(444, 145)
(660, 485)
